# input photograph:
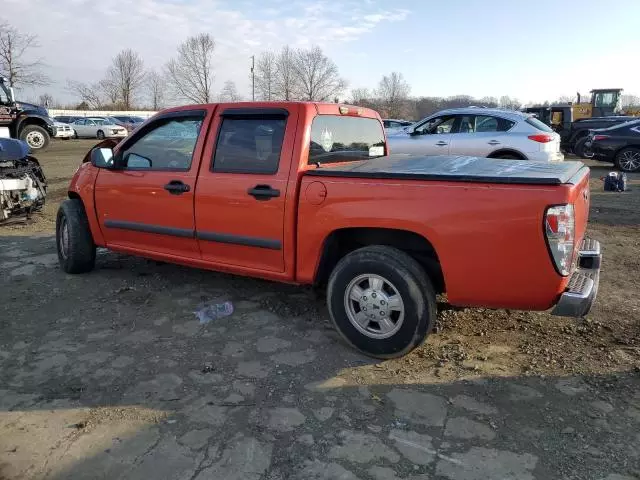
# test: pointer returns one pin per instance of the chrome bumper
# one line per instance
(577, 299)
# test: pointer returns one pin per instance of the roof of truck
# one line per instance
(455, 169)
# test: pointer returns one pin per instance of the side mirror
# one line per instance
(12, 95)
(102, 158)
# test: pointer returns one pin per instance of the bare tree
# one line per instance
(108, 89)
(508, 103)
(629, 101)
(15, 49)
(393, 92)
(156, 89)
(46, 100)
(565, 99)
(89, 94)
(265, 75)
(360, 95)
(317, 76)
(191, 72)
(229, 92)
(286, 82)
(126, 76)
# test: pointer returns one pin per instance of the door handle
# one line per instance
(494, 142)
(442, 144)
(176, 187)
(263, 192)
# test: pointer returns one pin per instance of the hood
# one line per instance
(12, 150)
(30, 106)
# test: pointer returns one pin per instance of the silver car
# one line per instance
(479, 132)
(98, 127)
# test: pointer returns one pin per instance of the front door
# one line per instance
(429, 138)
(242, 187)
(146, 205)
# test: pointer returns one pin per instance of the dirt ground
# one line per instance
(110, 375)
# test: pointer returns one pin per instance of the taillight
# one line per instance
(559, 228)
(541, 138)
(600, 137)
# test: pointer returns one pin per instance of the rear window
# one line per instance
(336, 139)
(534, 122)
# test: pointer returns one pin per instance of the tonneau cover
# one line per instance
(456, 169)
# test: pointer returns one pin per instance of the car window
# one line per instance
(485, 123)
(249, 145)
(159, 148)
(80, 121)
(437, 125)
(337, 138)
(534, 122)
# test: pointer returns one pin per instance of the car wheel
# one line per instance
(76, 250)
(36, 137)
(580, 149)
(381, 301)
(628, 159)
(100, 135)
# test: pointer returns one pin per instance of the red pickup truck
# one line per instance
(306, 193)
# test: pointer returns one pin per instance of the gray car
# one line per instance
(479, 132)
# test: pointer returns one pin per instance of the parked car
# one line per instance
(64, 131)
(619, 144)
(392, 125)
(130, 122)
(246, 195)
(66, 118)
(98, 127)
(480, 132)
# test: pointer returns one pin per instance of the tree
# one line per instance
(191, 72)
(108, 89)
(565, 99)
(285, 85)
(126, 76)
(229, 92)
(629, 101)
(156, 89)
(46, 100)
(317, 76)
(360, 95)
(15, 48)
(265, 75)
(89, 94)
(393, 92)
(508, 103)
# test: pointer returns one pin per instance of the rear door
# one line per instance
(480, 135)
(147, 205)
(242, 187)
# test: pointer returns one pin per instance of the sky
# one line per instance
(534, 51)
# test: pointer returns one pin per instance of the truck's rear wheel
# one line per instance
(76, 250)
(36, 137)
(381, 301)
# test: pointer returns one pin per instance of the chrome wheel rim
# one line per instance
(35, 139)
(630, 160)
(64, 238)
(374, 306)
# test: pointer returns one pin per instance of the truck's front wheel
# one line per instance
(381, 301)
(76, 250)
(36, 137)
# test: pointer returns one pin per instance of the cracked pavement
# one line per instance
(110, 375)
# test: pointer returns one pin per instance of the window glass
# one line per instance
(437, 125)
(249, 145)
(466, 124)
(606, 99)
(161, 149)
(534, 122)
(80, 121)
(485, 123)
(336, 139)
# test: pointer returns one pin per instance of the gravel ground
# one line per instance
(110, 375)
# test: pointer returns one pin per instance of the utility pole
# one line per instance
(253, 78)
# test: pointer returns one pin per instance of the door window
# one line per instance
(80, 121)
(249, 145)
(438, 125)
(167, 145)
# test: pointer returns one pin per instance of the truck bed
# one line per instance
(457, 169)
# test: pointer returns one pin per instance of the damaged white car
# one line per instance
(23, 186)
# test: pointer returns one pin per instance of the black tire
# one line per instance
(621, 160)
(36, 137)
(100, 135)
(579, 149)
(413, 286)
(508, 156)
(76, 253)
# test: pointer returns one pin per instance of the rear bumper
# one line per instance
(545, 156)
(581, 292)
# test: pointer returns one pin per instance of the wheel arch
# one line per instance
(342, 241)
(507, 151)
(27, 120)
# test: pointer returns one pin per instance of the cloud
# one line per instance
(79, 37)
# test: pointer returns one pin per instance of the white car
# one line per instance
(98, 127)
(64, 131)
(479, 132)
